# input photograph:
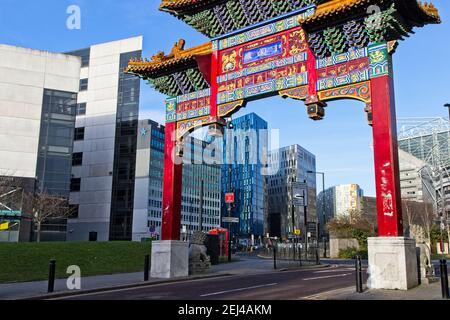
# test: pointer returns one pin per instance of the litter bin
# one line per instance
(92, 236)
(213, 248)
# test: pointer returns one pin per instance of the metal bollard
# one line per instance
(317, 257)
(51, 276)
(146, 267)
(359, 280)
(300, 256)
(444, 279)
(275, 257)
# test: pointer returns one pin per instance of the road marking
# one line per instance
(325, 277)
(330, 294)
(240, 289)
(339, 270)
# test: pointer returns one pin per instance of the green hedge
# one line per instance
(352, 253)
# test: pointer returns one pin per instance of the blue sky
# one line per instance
(342, 142)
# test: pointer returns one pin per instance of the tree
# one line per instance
(11, 192)
(420, 214)
(47, 207)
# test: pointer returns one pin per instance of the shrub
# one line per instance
(352, 253)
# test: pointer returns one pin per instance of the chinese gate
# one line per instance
(315, 51)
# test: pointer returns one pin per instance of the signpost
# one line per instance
(229, 197)
(299, 194)
(230, 220)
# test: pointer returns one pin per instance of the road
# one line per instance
(276, 285)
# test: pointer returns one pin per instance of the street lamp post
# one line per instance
(323, 208)
(230, 169)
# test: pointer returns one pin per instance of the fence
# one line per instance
(292, 255)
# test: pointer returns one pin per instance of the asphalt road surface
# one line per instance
(277, 285)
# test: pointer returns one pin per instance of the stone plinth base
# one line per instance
(392, 263)
(170, 259)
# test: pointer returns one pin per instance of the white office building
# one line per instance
(104, 157)
(38, 93)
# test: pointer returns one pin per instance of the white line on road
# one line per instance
(324, 277)
(339, 270)
(240, 289)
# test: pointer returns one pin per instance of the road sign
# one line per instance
(4, 226)
(229, 197)
(297, 232)
(312, 226)
(230, 220)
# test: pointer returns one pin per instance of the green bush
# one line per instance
(352, 253)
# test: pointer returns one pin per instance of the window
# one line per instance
(79, 134)
(75, 184)
(74, 210)
(81, 109)
(77, 159)
(84, 84)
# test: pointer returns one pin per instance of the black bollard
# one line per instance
(146, 267)
(444, 279)
(317, 257)
(300, 256)
(275, 257)
(51, 276)
(359, 281)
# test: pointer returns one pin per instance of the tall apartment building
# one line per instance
(149, 175)
(340, 200)
(247, 155)
(38, 94)
(293, 163)
(104, 159)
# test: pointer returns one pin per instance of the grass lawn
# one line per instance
(30, 261)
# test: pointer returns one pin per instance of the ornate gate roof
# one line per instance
(332, 27)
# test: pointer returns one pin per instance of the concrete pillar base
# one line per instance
(392, 263)
(170, 259)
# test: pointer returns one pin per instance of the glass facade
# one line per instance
(56, 142)
(54, 162)
(125, 152)
(244, 162)
(194, 172)
(292, 164)
(84, 54)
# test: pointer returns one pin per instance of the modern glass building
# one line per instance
(290, 164)
(245, 157)
(195, 213)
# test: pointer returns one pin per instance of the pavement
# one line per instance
(242, 264)
(423, 292)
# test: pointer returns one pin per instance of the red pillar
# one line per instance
(389, 209)
(173, 174)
